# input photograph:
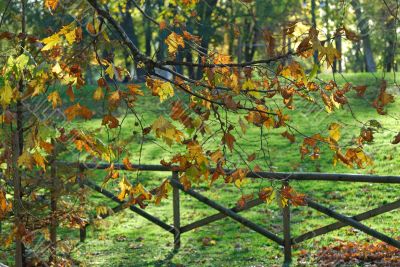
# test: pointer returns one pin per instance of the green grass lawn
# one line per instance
(126, 239)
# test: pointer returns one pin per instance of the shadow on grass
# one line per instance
(166, 261)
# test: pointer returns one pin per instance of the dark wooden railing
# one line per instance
(287, 241)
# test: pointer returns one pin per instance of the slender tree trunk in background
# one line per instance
(127, 24)
(17, 148)
(206, 7)
(160, 53)
(54, 184)
(250, 36)
(189, 58)
(231, 31)
(359, 58)
(253, 48)
(314, 24)
(148, 29)
(19, 249)
(337, 64)
(362, 24)
(390, 52)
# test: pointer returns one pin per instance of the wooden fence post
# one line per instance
(287, 244)
(82, 229)
(177, 215)
(53, 205)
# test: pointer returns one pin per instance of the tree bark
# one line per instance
(206, 8)
(314, 24)
(337, 64)
(390, 50)
(54, 183)
(17, 148)
(128, 25)
(148, 30)
(363, 27)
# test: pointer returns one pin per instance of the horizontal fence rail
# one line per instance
(294, 176)
(287, 241)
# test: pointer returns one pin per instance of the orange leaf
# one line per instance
(289, 136)
(229, 140)
(52, 4)
(128, 164)
(110, 121)
(396, 139)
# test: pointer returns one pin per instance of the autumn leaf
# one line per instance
(161, 192)
(78, 110)
(334, 131)
(266, 194)
(229, 140)
(70, 93)
(124, 186)
(160, 88)
(360, 89)
(241, 203)
(174, 41)
(98, 94)
(128, 165)
(162, 25)
(39, 160)
(289, 136)
(114, 98)
(6, 95)
(55, 99)
(110, 121)
(51, 41)
(134, 89)
(396, 139)
(51, 4)
(26, 160)
(165, 130)
(5, 205)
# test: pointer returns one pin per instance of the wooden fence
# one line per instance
(287, 241)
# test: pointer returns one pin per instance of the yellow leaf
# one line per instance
(25, 160)
(248, 85)
(166, 91)
(128, 164)
(52, 4)
(124, 186)
(78, 110)
(134, 89)
(51, 41)
(173, 42)
(6, 95)
(334, 131)
(40, 160)
(165, 130)
(98, 94)
(55, 99)
(56, 69)
(71, 36)
(110, 71)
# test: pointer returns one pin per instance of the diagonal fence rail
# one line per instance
(287, 242)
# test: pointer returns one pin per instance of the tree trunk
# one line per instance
(362, 24)
(314, 24)
(189, 58)
(128, 25)
(390, 50)
(206, 8)
(54, 183)
(17, 148)
(337, 64)
(148, 30)
(160, 53)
